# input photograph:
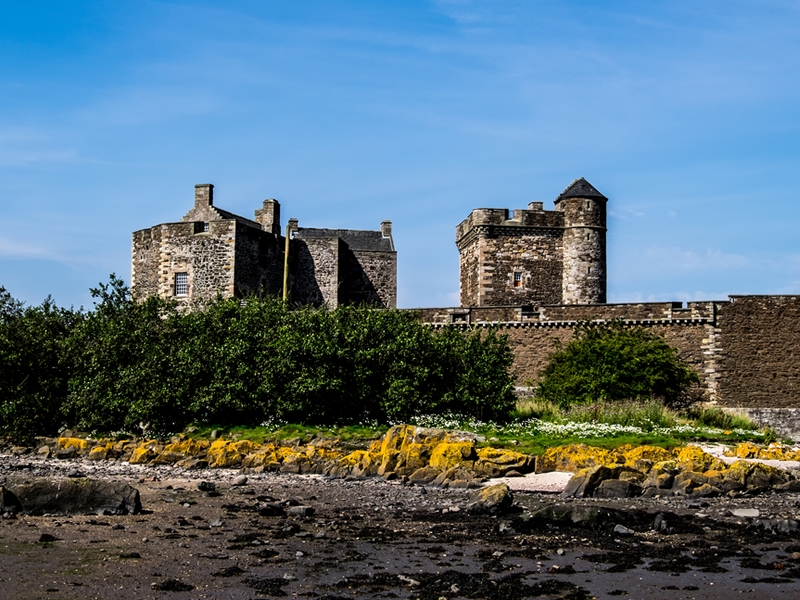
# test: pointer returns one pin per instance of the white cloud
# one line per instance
(16, 249)
(677, 259)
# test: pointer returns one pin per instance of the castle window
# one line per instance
(181, 284)
(517, 279)
(588, 205)
(205, 227)
(201, 227)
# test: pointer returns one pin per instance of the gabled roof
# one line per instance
(580, 188)
(356, 239)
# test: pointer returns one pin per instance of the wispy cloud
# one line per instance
(20, 146)
(693, 260)
(16, 249)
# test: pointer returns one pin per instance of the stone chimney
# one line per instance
(386, 229)
(293, 227)
(203, 195)
(269, 217)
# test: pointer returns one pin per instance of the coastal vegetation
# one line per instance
(261, 368)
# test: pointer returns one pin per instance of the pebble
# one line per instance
(622, 530)
(748, 513)
(239, 480)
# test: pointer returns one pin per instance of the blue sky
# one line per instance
(685, 114)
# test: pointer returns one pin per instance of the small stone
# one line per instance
(289, 577)
(239, 480)
(746, 513)
(301, 511)
(622, 530)
(214, 434)
(216, 523)
(206, 486)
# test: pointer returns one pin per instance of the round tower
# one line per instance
(584, 267)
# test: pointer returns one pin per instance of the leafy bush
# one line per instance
(131, 366)
(34, 368)
(612, 363)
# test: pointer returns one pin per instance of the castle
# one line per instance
(535, 276)
(212, 251)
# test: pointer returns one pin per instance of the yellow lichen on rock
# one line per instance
(575, 457)
(446, 455)
(142, 455)
(644, 458)
(223, 454)
(692, 458)
(755, 475)
(188, 447)
(101, 452)
(496, 462)
(744, 450)
(79, 444)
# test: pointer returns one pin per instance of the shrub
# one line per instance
(611, 363)
(34, 370)
(130, 366)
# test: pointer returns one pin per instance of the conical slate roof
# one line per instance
(580, 188)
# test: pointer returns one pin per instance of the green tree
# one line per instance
(613, 362)
(34, 369)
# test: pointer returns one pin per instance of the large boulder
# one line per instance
(584, 483)
(77, 496)
(574, 457)
(497, 462)
(224, 455)
(492, 500)
(8, 501)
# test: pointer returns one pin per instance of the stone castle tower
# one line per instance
(536, 257)
(212, 251)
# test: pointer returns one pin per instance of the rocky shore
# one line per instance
(157, 530)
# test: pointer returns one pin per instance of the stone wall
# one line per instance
(371, 278)
(785, 421)
(489, 263)
(206, 257)
(259, 262)
(759, 359)
(315, 271)
(145, 263)
(534, 334)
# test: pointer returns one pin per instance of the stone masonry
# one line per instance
(745, 349)
(536, 256)
(212, 251)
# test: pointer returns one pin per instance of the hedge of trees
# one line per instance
(132, 366)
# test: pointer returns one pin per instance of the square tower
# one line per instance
(535, 256)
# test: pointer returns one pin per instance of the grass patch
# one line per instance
(537, 426)
(359, 435)
(716, 417)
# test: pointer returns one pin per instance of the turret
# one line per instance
(584, 267)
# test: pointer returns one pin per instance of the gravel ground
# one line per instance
(377, 539)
